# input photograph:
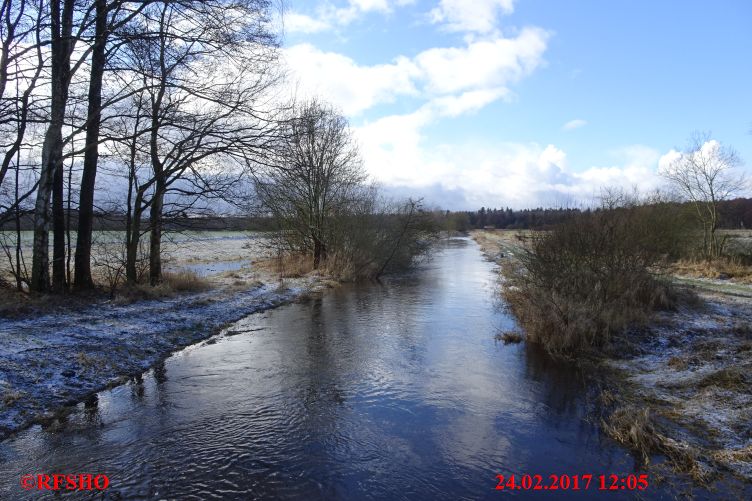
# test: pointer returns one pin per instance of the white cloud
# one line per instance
(470, 101)
(668, 160)
(296, 22)
(328, 15)
(371, 5)
(350, 86)
(476, 16)
(467, 174)
(636, 167)
(482, 64)
(459, 79)
(709, 154)
(574, 124)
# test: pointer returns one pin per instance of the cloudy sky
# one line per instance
(523, 103)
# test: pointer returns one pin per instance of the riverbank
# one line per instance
(677, 390)
(57, 356)
(688, 373)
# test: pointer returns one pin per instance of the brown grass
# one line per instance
(13, 303)
(742, 329)
(185, 281)
(293, 265)
(678, 363)
(341, 268)
(287, 265)
(89, 362)
(743, 455)
(10, 397)
(496, 244)
(128, 294)
(510, 337)
(634, 428)
(730, 378)
(722, 268)
(172, 283)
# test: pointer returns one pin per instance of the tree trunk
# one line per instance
(133, 238)
(155, 235)
(52, 150)
(318, 253)
(68, 243)
(83, 278)
(59, 284)
(40, 270)
(19, 283)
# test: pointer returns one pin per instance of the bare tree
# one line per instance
(315, 173)
(21, 65)
(62, 43)
(109, 17)
(198, 110)
(704, 174)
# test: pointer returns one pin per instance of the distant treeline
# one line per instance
(735, 214)
(117, 222)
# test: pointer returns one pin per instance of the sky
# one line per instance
(525, 103)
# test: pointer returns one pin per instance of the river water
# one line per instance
(385, 391)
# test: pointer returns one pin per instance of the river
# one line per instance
(395, 390)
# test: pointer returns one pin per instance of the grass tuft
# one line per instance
(730, 378)
(723, 268)
(633, 428)
(185, 281)
(172, 283)
(510, 337)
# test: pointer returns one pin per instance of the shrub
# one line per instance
(379, 237)
(591, 276)
(371, 238)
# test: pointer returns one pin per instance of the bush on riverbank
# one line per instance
(318, 192)
(593, 275)
(381, 238)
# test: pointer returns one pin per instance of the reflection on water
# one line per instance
(385, 391)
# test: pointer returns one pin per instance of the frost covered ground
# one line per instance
(694, 371)
(55, 359)
(59, 359)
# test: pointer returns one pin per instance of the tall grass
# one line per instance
(173, 283)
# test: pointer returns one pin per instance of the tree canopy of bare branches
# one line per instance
(704, 174)
(316, 173)
(315, 186)
(174, 96)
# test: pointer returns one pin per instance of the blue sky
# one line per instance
(525, 102)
